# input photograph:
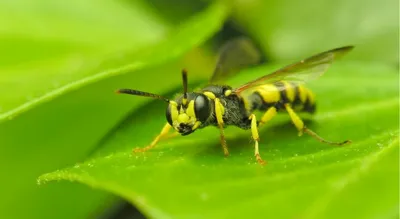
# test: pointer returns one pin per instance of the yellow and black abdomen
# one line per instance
(280, 93)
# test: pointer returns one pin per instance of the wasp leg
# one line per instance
(302, 128)
(172, 135)
(163, 134)
(254, 133)
(218, 113)
(271, 112)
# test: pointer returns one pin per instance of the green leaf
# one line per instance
(55, 75)
(60, 139)
(51, 48)
(43, 44)
(289, 29)
(190, 177)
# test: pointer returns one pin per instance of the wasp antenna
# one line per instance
(185, 83)
(141, 93)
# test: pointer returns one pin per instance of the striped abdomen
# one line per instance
(279, 93)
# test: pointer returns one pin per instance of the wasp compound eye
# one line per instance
(202, 108)
(168, 114)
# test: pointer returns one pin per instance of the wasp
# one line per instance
(220, 105)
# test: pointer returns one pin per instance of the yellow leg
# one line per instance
(163, 134)
(302, 128)
(271, 112)
(254, 133)
(219, 113)
(172, 135)
(295, 119)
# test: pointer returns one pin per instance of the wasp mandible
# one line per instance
(221, 105)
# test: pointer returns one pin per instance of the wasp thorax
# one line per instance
(187, 114)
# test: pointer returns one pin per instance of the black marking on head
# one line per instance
(202, 108)
(185, 129)
(189, 96)
(168, 114)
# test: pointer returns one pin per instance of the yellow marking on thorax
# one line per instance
(246, 103)
(269, 93)
(228, 92)
(209, 95)
(289, 89)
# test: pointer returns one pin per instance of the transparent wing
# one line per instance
(300, 72)
(235, 55)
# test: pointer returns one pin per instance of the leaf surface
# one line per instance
(75, 64)
(189, 176)
(49, 50)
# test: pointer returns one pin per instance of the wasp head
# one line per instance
(188, 112)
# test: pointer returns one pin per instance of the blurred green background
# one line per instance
(56, 85)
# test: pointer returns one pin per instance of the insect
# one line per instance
(221, 105)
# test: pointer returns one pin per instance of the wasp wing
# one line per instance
(235, 55)
(300, 72)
